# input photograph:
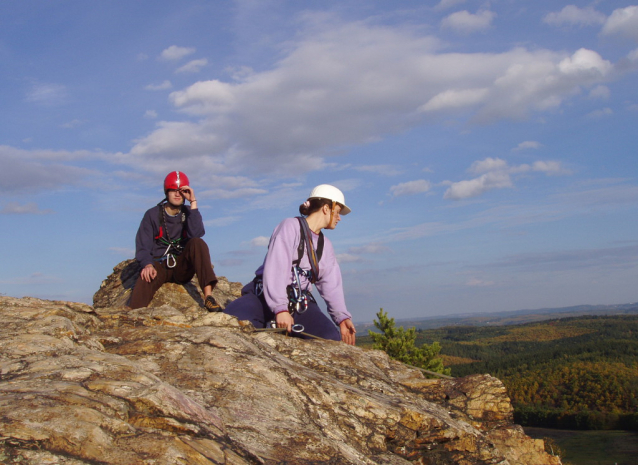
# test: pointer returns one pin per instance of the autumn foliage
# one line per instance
(577, 372)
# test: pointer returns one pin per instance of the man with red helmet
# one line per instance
(169, 245)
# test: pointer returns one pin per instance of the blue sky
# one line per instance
(488, 150)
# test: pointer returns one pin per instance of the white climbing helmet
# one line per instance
(326, 191)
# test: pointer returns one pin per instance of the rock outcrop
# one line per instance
(115, 290)
(84, 384)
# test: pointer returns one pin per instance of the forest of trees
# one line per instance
(577, 373)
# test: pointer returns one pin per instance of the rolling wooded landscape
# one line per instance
(573, 381)
(573, 373)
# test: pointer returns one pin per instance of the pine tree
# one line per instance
(399, 345)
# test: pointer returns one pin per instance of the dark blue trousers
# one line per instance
(254, 309)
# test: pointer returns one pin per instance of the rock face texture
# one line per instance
(160, 385)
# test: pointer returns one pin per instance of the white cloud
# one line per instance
(194, 66)
(497, 174)
(489, 164)
(584, 62)
(174, 53)
(477, 186)
(599, 92)
(549, 167)
(623, 22)
(47, 94)
(466, 23)
(13, 208)
(453, 99)
(20, 176)
(26, 171)
(601, 113)
(260, 241)
(410, 188)
(162, 86)
(176, 138)
(574, 16)
(150, 114)
(355, 84)
(528, 144)
(207, 97)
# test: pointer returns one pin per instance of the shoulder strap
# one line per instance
(300, 248)
(161, 220)
(306, 239)
(320, 247)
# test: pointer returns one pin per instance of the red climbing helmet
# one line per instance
(175, 180)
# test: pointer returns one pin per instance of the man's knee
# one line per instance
(198, 245)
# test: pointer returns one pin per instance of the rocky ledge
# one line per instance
(84, 384)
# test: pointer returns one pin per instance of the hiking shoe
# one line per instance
(211, 304)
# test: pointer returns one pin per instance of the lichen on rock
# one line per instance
(162, 385)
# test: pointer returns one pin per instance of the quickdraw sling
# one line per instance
(174, 247)
(298, 298)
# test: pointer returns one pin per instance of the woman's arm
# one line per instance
(330, 284)
(278, 263)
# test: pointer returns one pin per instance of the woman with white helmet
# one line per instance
(299, 256)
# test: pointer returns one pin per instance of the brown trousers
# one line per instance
(194, 260)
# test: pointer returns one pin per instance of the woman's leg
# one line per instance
(252, 308)
(317, 323)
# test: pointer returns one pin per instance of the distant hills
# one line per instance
(577, 372)
(515, 317)
(572, 368)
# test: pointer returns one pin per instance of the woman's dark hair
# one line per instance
(313, 205)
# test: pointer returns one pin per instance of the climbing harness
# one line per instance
(299, 298)
(174, 247)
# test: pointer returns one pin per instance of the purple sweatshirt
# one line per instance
(277, 271)
(147, 247)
